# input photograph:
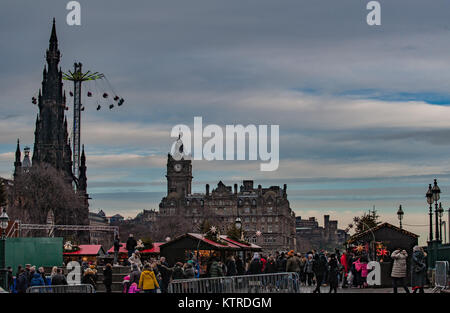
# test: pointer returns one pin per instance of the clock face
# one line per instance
(177, 167)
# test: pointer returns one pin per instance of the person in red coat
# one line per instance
(344, 264)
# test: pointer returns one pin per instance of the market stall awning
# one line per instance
(155, 248)
(249, 246)
(193, 239)
(224, 245)
(88, 250)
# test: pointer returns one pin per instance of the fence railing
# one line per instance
(441, 275)
(84, 288)
(264, 283)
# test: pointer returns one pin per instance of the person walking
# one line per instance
(281, 262)
(107, 277)
(231, 266)
(148, 282)
(37, 280)
(116, 250)
(135, 275)
(418, 270)
(177, 271)
(188, 270)
(89, 278)
(399, 269)
(319, 268)
(22, 281)
(215, 269)
(166, 273)
(54, 271)
(59, 279)
(344, 263)
(135, 259)
(255, 267)
(42, 273)
(131, 245)
(309, 269)
(271, 266)
(292, 263)
(239, 266)
(10, 279)
(333, 270)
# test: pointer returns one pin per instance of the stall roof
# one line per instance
(155, 248)
(383, 225)
(196, 236)
(249, 246)
(87, 250)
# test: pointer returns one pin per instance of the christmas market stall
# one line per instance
(377, 243)
(203, 247)
(84, 253)
(246, 248)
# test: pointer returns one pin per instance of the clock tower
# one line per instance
(179, 175)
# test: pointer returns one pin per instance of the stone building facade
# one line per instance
(310, 235)
(267, 218)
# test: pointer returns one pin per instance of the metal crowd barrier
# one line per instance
(84, 288)
(441, 275)
(264, 283)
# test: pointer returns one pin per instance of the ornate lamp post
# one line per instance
(429, 196)
(448, 223)
(441, 213)
(238, 224)
(4, 219)
(436, 196)
(400, 215)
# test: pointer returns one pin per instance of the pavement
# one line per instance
(323, 289)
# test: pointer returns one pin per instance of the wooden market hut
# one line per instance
(88, 253)
(184, 247)
(381, 241)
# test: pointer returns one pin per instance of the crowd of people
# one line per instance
(315, 269)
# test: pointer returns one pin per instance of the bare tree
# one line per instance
(42, 192)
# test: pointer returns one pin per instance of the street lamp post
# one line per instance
(448, 223)
(429, 196)
(436, 196)
(441, 213)
(400, 215)
(4, 273)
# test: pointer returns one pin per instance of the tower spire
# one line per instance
(17, 163)
(53, 38)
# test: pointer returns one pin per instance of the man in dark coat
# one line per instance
(22, 281)
(271, 266)
(281, 263)
(131, 245)
(59, 279)
(10, 278)
(231, 266)
(319, 268)
(239, 266)
(116, 249)
(255, 267)
(166, 274)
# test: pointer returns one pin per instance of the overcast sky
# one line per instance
(363, 111)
